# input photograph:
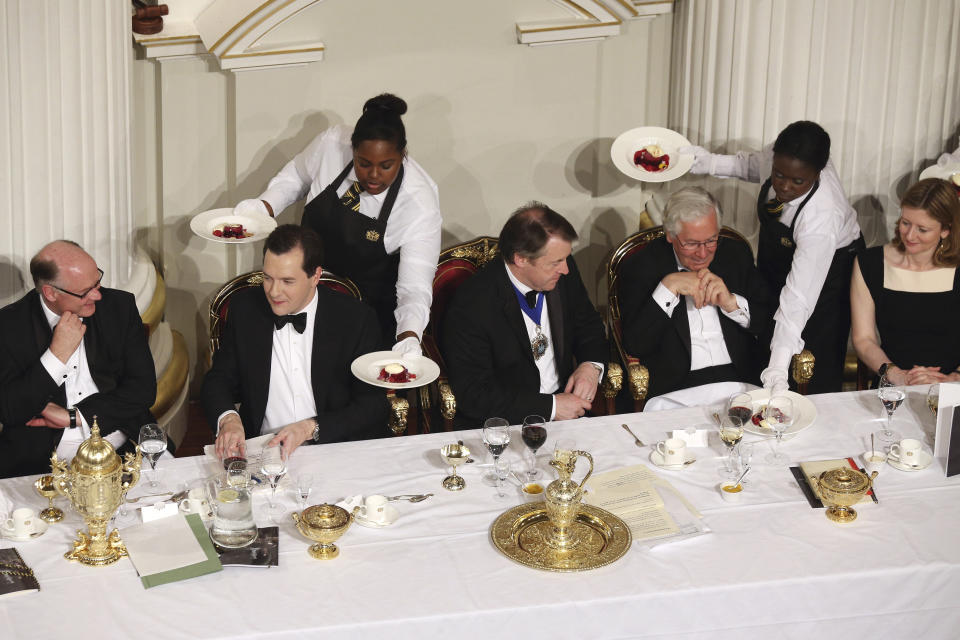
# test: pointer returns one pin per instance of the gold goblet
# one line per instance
(324, 524)
(454, 454)
(46, 488)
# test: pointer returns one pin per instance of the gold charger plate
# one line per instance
(521, 534)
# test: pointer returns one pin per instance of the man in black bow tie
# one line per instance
(521, 336)
(70, 350)
(285, 357)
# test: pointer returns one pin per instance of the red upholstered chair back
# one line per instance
(456, 265)
(220, 306)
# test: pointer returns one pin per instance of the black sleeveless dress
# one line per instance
(916, 328)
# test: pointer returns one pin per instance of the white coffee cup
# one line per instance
(873, 461)
(193, 505)
(375, 508)
(907, 451)
(673, 450)
(21, 523)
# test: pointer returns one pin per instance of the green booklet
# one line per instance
(171, 549)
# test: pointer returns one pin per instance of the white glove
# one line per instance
(408, 347)
(702, 159)
(775, 379)
(251, 208)
(949, 158)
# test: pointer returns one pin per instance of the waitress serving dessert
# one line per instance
(376, 210)
(809, 236)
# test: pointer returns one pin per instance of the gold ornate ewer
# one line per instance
(96, 483)
(563, 499)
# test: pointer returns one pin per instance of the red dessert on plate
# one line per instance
(235, 231)
(651, 158)
(395, 373)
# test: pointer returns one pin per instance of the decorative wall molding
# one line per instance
(589, 20)
(233, 31)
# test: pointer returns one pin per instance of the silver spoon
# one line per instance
(637, 440)
(410, 497)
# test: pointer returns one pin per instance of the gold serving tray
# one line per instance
(521, 534)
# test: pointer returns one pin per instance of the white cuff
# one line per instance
(553, 411)
(665, 299)
(59, 371)
(740, 315)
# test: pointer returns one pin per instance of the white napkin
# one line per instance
(6, 507)
(254, 446)
(705, 394)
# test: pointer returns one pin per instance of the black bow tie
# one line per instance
(531, 297)
(298, 320)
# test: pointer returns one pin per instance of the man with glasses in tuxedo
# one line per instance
(693, 305)
(70, 351)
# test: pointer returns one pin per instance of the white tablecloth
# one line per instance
(772, 566)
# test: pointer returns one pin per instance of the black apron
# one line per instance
(828, 327)
(353, 247)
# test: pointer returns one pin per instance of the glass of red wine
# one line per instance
(534, 434)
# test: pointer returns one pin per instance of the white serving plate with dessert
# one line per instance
(950, 173)
(651, 154)
(386, 369)
(207, 224)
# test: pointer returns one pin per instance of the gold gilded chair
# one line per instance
(638, 375)
(455, 266)
(220, 307)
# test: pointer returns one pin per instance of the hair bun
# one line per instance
(386, 102)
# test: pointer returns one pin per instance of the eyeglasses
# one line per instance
(693, 246)
(85, 293)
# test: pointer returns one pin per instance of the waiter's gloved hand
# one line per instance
(702, 159)
(251, 208)
(408, 346)
(775, 379)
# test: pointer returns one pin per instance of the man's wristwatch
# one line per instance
(316, 428)
(883, 368)
(73, 418)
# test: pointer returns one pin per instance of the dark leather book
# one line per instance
(15, 576)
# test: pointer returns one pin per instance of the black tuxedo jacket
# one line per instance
(487, 349)
(344, 329)
(120, 363)
(662, 343)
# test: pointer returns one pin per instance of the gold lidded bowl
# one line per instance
(841, 488)
(324, 524)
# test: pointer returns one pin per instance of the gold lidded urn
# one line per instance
(96, 481)
(563, 497)
(840, 489)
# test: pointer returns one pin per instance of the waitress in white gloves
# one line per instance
(376, 210)
(809, 236)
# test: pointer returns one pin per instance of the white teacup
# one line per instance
(873, 461)
(374, 508)
(21, 524)
(673, 450)
(907, 452)
(193, 505)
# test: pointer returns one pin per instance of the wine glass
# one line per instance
(933, 398)
(273, 464)
(304, 486)
(892, 396)
(745, 454)
(534, 434)
(496, 436)
(731, 432)
(740, 405)
(779, 415)
(153, 442)
(563, 450)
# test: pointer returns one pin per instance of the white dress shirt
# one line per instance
(827, 223)
(707, 346)
(78, 385)
(413, 228)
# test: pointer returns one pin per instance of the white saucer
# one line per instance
(39, 528)
(389, 511)
(657, 458)
(925, 460)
